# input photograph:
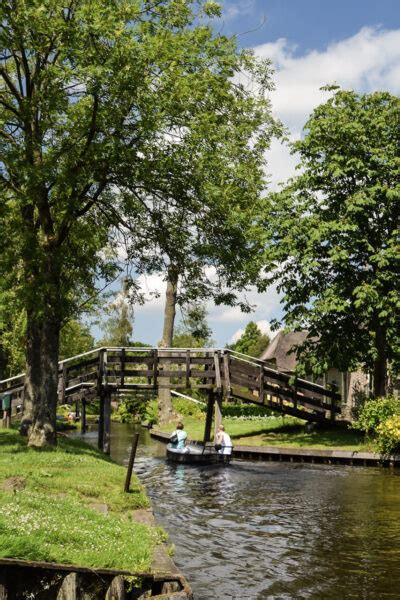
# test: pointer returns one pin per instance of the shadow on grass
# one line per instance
(19, 443)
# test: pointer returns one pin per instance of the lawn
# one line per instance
(48, 507)
(278, 431)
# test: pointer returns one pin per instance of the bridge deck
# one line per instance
(146, 370)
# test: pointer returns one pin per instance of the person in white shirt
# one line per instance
(223, 440)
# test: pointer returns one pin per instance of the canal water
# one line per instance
(274, 530)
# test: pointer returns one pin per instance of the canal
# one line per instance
(274, 530)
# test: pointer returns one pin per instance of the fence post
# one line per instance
(131, 461)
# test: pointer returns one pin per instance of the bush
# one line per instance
(388, 440)
(375, 412)
(186, 408)
(245, 411)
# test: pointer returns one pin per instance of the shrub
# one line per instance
(375, 412)
(186, 408)
(388, 440)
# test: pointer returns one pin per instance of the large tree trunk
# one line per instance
(42, 347)
(166, 412)
(380, 363)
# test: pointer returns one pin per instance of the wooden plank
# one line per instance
(122, 367)
(226, 373)
(187, 367)
(129, 373)
(155, 367)
(68, 589)
(116, 591)
(130, 360)
(218, 382)
(261, 381)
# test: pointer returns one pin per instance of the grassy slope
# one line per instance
(278, 431)
(51, 520)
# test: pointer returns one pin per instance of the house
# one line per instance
(349, 385)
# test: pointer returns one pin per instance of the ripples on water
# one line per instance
(276, 530)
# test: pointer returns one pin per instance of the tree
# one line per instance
(118, 326)
(252, 341)
(75, 338)
(86, 88)
(193, 331)
(334, 235)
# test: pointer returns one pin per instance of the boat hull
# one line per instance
(197, 458)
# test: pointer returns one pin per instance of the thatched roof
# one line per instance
(279, 349)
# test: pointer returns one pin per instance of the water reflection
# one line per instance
(275, 530)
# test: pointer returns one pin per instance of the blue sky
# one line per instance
(355, 43)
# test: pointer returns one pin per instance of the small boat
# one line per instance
(197, 455)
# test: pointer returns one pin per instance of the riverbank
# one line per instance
(280, 432)
(67, 505)
(302, 455)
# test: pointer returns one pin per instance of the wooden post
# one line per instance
(209, 416)
(218, 413)
(226, 373)
(131, 461)
(83, 416)
(218, 382)
(187, 368)
(67, 590)
(155, 368)
(100, 432)
(122, 367)
(107, 420)
(63, 382)
(100, 393)
(3, 592)
(116, 591)
(261, 394)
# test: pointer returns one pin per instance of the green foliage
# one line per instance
(186, 408)
(388, 440)
(193, 331)
(333, 235)
(252, 342)
(75, 338)
(135, 410)
(245, 411)
(117, 325)
(374, 412)
(50, 519)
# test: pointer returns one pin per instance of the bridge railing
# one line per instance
(138, 368)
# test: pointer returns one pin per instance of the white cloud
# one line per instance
(241, 8)
(262, 325)
(365, 62)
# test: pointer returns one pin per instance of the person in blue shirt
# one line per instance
(178, 437)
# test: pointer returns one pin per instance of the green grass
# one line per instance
(279, 431)
(51, 520)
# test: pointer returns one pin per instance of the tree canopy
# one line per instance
(89, 93)
(252, 341)
(334, 235)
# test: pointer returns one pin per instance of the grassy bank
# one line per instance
(278, 431)
(50, 507)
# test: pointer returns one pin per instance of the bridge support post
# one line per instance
(106, 420)
(209, 416)
(83, 416)
(100, 431)
(218, 412)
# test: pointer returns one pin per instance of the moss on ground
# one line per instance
(46, 512)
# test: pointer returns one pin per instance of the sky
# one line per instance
(353, 43)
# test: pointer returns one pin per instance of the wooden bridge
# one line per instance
(107, 373)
